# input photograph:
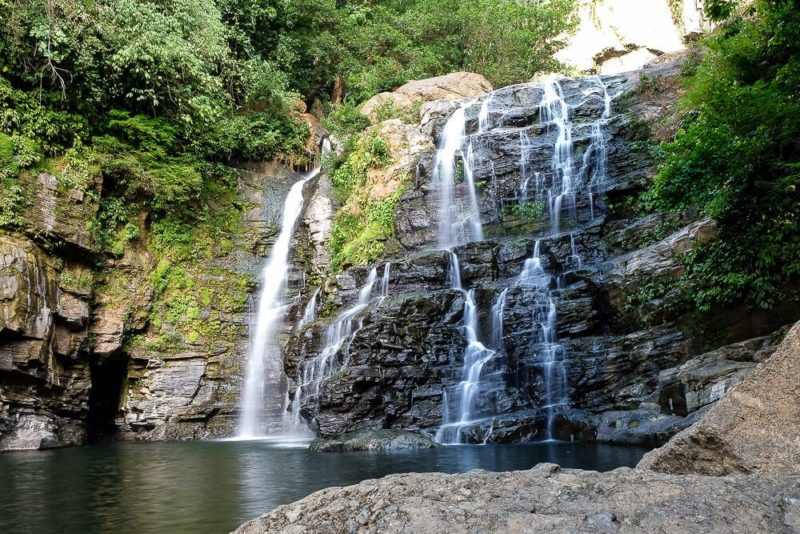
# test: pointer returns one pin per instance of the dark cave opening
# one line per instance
(105, 398)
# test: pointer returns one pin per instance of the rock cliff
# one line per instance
(753, 429)
(636, 367)
(143, 345)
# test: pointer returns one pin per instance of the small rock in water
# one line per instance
(373, 440)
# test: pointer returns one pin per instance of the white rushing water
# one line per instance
(265, 361)
(459, 219)
(310, 312)
(465, 395)
(555, 112)
(335, 354)
(561, 187)
(549, 352)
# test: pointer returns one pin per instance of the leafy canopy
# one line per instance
(737, 157)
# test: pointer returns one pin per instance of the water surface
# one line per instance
(215, 486)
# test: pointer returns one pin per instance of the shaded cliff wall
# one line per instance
(147, 344)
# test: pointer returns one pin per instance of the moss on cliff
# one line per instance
(364, 224)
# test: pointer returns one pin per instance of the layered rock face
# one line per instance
(630, 370)
(753, 429)
(94, 350)
(44, 321)
(544, 499)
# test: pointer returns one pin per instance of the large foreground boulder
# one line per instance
(544, 499)
(755, 428)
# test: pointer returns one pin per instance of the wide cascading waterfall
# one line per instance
(335, 354)
(575, 174)
(264, 366)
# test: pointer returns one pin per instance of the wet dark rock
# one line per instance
(373, 440)
(635, 372)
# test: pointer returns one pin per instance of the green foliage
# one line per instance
(362, 226)
(737, 157)
(346, 119)
(532, 211)
(369, 47)
(370, 152)
(359, 239)
(655, 297)
(75, 281)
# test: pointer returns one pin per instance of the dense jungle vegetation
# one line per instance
(160, 96)
(737, 156)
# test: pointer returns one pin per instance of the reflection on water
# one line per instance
(214, 486)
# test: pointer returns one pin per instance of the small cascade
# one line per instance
(476, 357)
(458, 221)
(483, 115)
(498, 308)
(549, 353)
(575, 257)
(532, 271)
(338, 337)
(265, 362)
(555, 112)
(524, 173)
(385, 280)
(553, 371)
(310, 312)
(596, 155)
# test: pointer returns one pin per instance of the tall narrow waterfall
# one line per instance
(459, 219)
(265, 361)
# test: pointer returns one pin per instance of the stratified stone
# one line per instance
(754, 428)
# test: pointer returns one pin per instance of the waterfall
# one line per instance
(555, 111)
(385, 280)
(265, 361)
(576, 258)
(497, 322)
(338, 337)
(457, 223)
(597, 152)
(483, 115)
(310, 312)
(544, 319)
(524, 156)
(476, 357)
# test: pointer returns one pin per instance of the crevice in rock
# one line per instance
(105, 398)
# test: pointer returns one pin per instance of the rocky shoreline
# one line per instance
(750, 435)
(543, 499)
